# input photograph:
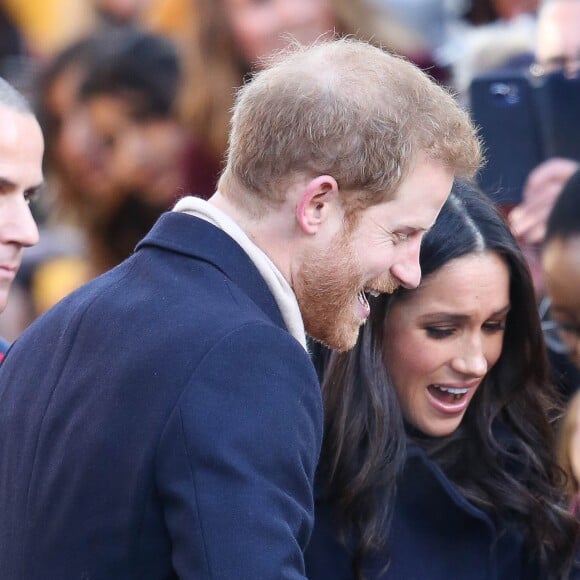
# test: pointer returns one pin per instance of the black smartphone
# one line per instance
(558, 102)
(503, 107)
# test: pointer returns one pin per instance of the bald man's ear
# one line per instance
(319, 199)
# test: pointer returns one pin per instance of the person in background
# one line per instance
(128, 94)
(107, 104)
(560, 261)
(74, 163)
(484, 11)
(438, 458)
(117, 157)
(119, 12)
(21, 150)
(569, 452)
(428, 18)
(558, 36)
(65, 167)
(484, 37)
(557, 48)
(230, 39)
(174, 426)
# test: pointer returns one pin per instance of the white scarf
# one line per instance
(281, 290)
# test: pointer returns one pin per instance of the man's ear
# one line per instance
(318, 199)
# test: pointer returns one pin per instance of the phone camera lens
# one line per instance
(504, 93)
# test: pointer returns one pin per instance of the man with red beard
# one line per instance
(173, 428)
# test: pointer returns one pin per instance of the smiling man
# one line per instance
(21, 150)
(173, 429)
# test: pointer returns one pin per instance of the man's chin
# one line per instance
(340, 342)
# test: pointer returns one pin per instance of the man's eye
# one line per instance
(31, 195)
(401, 237)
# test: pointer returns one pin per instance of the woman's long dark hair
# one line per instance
(515, 477)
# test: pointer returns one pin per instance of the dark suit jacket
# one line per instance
(160, 422)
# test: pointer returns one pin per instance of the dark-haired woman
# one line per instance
(107, 106)
(438, 459)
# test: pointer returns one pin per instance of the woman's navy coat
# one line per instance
(436, 534)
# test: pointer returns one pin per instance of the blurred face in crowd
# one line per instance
(144, 155)
(74, 147)
(378, 253)
(561, 266)
(443, 338)
(507, 9)
(258, 26)
(21, 150)
(558, 36)
(121, 10)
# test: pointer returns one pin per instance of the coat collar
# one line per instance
(196, 238)
(418, 461)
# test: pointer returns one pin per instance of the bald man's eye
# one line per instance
(31, 195)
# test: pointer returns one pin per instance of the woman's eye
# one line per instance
(439, 331)
(494, 326)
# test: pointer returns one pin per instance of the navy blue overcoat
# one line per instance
(158, 423)
(436, 534)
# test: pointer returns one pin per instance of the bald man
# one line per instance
(21, 150)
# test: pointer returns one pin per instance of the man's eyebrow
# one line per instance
(6, 183)
(409, 228)
(35, 188)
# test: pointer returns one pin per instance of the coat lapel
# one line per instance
(198, 239)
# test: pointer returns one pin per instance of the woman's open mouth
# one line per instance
(450, 399)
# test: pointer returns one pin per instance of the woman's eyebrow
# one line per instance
(455, 317)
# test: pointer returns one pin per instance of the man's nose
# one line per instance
(17, 226)
(406, 268)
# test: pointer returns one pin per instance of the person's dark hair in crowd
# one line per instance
(561, 268)
(129, 90)
(438, 455)
(114, 141)
(485, 11)
(139, 65)
(74, 167)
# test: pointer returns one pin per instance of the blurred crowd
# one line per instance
(134, 99)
